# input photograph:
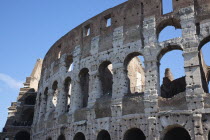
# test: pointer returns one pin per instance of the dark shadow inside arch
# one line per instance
(79, 136)
(84, 84)
(49, 138)
(171, 71)
(177, 133)
(204, 60)
(61, 137)
(134, 134)
(23, 135)
(103, 135)
(30, 100)
(209, 136)
(135, 72)
(106, 77)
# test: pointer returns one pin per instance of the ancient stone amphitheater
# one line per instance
(94, 86)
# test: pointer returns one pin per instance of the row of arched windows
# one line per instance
(175, 133)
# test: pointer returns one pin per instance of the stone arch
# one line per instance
(106, 77)
(69, 63)
(103, 135)
(176, 133)
(84, 85)
(79, 136)
(30, 100)
(204, 67)
(134, 134)
(171, 86)
(135, 72)
(61, 137)
(166, 23)
(67, 89)
(27, 117)
(22, 135)
(55, 93)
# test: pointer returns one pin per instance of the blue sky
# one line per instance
(29, 28)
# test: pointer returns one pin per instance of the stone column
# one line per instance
(95, 90)
(194, 90)
(152, 128)
(37, 109)
(152, 87)
(43, 106)
(61, 101)
(119, 88)
(198, 127)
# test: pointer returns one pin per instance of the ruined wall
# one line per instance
(134, 30)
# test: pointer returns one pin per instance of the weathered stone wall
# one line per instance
(134, 31)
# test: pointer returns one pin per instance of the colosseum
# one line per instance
(94, 85)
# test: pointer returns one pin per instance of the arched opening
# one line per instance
(55, 93)
(44, 109)
(204, 57)
(79, 136)
(177, 133)
(106, 77)
(168, 29)
(49, 138)
(61, 137)
(30, 100)
(69, 63)
(23, 135)
(172, 73)
(84, 84)
(103, 135)
(134, 134)
(209, 136)
(27, 117)
(167, 6)
(67, 89)
(134, 65)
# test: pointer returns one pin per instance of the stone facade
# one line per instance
(90, 91)
(21, 112)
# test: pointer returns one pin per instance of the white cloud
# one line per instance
(12, 83)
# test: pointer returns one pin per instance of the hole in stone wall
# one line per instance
(205, 65)
(45, 98)
(79, 136)
(172, 73)
(134, 134)
(30, 100)
(55, 93)
(23, 135)
(177, 134)
(169, 32)
(61, 137)
(87, 30)
(167, 6)
(67, 88)
(84, 84)
(27, 117)
(108, 20)
(106, 77)
(134, 65)
(49, 138)
(103, 135)
(209, 136)
(69, 63)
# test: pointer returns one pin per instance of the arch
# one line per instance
(79, 136)
(23, 135)
(165, 23)
(69, 63)
(177, 133)
(27, 117)
(106, 77)
(169, 85)
(30, 100)
(61, 137)
(67, 89)
(204, 48)
(49, 138)
(103, 135)
(134, 134)
(134, 67)
(55, 93)
(84, 84)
